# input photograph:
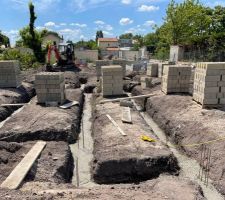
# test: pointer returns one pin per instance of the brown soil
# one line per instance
(23, 94)
(162, 188)
(120, 158)
(36, 122)
(185, 123)
(55, 164)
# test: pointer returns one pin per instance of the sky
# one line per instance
(80, 19)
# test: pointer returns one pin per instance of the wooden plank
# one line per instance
(69, 105)
(116, 125)
(126, 98)
(16, 104)
(16, 177)
(126, 115)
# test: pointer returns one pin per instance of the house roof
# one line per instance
(107, 39)
(112, 49)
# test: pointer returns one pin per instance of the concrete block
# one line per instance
(152, 69)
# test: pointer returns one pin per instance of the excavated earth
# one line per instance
(37, 122)
(54, 166)
(23, 94)
(120, 159)
(188, 125)
(163, 188)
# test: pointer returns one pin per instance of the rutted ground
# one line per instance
(185, 122)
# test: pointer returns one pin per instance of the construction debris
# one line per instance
(116, 125)
(126, 115)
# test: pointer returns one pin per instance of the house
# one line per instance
(52, 37)
(106, 43)
(126, 43)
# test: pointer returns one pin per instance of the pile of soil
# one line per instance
(120, 159)
(23, 94)
(45, 123)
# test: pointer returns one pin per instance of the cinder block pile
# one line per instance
(176, 79)
(209, 83)
(10, 74)
(121, 62)
(50, 87)
(152, 69)
(112, 80)
(146, 82)
(99, 64)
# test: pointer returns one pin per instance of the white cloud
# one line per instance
(107, 33)
(70, 34)
(126, 21)
(39, 28)
(99, 22)
(108, 27)
(81, 25)
(135, 30)
(13, 35)
(145, 8)
(62, 24)
(126, 2)
(149, 23)
(50, 24)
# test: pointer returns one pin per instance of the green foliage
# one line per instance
(26, 60)
(91, 44)
(31, 38)
(126, 36)
(99, 34)
(200, 29)
(4, 40)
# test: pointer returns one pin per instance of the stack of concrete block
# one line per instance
(121, 62)
(50, 87)
(99, 64)
(209, 83)
(112, 80)
(10, 74)
(146, 82)
(176, 79)
(152, 69)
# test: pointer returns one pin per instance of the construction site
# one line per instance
(131, 118)
(106, 131)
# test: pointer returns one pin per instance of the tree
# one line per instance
(126, 36)
(4, 40)
(30, 37)
(99, 34)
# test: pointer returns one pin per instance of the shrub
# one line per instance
(27, 60)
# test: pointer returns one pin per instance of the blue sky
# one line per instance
(80, 19)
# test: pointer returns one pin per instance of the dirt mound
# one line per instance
(119, 159)
(23, 94)
(45, 123)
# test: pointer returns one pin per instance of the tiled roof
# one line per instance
(107, 39)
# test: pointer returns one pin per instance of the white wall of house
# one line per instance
(52, 38)
(104, 45)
